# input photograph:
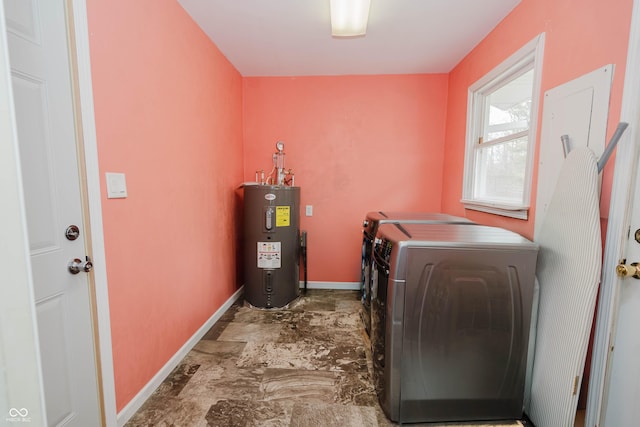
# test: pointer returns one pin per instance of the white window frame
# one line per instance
(528, 57)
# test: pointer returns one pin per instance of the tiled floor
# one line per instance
(308, 365)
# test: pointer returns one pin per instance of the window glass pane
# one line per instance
(500, 171)
(509, 108)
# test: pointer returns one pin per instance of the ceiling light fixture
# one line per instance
(349, 17)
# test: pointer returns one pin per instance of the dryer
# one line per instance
(369, 229)
(451, 308)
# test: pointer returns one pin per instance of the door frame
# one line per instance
(627, 156)
(25, 355)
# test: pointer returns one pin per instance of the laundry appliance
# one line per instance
(451, 309)
(370, 227)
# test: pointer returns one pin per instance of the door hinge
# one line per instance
(576, 380)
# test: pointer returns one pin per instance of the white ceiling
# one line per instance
(293, 37)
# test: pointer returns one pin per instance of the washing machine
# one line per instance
(451, 310)
(369, 229)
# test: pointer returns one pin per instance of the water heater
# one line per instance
(271, 245)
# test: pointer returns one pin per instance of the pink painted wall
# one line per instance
(580, 37)
(176, 117)
(356, 144)
(168, 111)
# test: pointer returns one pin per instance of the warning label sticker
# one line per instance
(283, 216)
(269, 255)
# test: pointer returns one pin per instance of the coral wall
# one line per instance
(356, 144)
(178, 119)
(580, 37)
(168, 111)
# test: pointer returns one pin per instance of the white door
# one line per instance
(41, 78)
(622, 407)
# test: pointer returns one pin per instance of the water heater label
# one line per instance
(270, 196)
(283, 216)
(269, 254)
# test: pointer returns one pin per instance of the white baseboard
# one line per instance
(346, 286)
(135, 403)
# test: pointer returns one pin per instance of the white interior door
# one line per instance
(41, 78)
(624, 378)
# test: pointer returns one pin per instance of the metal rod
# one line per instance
(303, 247)
(622, 126)
(566, 144)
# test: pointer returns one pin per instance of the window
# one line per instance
(501, 127)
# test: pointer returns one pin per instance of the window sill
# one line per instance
(512, 211)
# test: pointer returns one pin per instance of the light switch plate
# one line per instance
(309, 210)
(116, 185)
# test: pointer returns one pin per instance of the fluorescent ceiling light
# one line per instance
(349, 17)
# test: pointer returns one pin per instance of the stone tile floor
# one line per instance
(307, 365)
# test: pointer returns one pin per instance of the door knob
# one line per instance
(624, 270)
(76, 265)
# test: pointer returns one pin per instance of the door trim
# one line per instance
(84, 197)
(93, 201)
(618, 224)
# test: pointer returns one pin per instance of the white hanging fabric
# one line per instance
(568, 270)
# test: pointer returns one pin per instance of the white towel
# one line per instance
(568, 269)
